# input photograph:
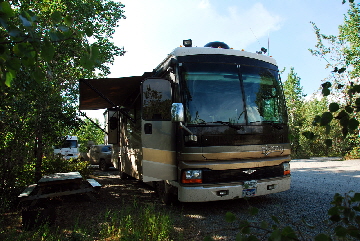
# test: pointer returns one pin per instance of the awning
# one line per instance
(119, 92)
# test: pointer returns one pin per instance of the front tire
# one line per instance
(165, 193)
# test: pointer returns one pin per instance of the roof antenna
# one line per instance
(262, 50)
(255, 36)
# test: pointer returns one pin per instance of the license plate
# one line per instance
(249, 192)
(250, 188)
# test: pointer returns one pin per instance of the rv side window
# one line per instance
(156, 99)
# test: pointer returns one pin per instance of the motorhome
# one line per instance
(69, 147)
(208, 123)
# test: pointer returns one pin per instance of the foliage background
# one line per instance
(45, 47)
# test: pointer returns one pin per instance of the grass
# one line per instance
(133, 222)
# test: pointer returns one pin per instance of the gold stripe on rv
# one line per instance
(161, 156)
(234, 164)
(229, 155)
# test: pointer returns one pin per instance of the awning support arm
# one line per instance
(108, 100)
(96, 124)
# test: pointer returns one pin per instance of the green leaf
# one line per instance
(289, 233)
(334, 211)
(341, 70)
(13, 63)
(245, 230)
(357, 102)
(355, 89)
(230, 217)
(353, 124)
(38, 75)
(328, 142)
(47, 50)
(252, 238)
(25, 21)
(340, 86)
(6, 8)
(253, 211)
(10, 75)
(335, 218)
(68, 20)
(333, 107)
(264, 225)
(88, 32)
(54, 36)
(309, 135)
(86, 62)
(94, 52)
(275, 236)
(326, 85)
(354, 232)
(275, 219)
(208, 238)
(56, 17)
(322, 237)
(340, 231)
(243, 224)
(356, 197)
(326, 118)
(349, 109)
(316, 120)
(325, 92)
(345, 131)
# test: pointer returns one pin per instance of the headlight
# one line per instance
(191, 176)
(286, 166)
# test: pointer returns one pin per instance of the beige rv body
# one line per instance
(157, 149)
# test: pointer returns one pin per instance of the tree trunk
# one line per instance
(38, 154)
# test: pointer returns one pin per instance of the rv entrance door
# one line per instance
(157, 135)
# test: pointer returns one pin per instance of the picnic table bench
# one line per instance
(59, 184)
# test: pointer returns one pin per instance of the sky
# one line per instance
(153, 28)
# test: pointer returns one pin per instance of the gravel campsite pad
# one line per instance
(314, 183)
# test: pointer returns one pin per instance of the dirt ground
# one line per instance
(75, 210)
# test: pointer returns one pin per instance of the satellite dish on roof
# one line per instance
(217, 44)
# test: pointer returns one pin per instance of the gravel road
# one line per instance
(314, 183)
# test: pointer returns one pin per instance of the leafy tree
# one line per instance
(342, 87)
(89, 131)
(294, 101)
(45, 47)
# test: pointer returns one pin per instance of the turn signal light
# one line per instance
(191, 176)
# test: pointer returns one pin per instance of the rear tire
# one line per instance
(103, 165)
(123, 175)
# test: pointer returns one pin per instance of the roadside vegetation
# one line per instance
(133, 222)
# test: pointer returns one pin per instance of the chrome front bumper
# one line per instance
(207, 193)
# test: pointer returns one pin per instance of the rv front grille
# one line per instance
(240, 175)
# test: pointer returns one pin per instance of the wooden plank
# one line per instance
(28, 190)
(58, 194)
(93, 183)
(56, 177)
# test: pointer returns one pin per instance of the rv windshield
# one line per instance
(215, 93)
(70, 144)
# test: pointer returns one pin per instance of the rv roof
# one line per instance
(184, 51)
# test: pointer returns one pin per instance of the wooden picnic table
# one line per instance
(59, 184)
(50, 186)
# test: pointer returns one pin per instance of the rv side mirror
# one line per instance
(177, 112)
